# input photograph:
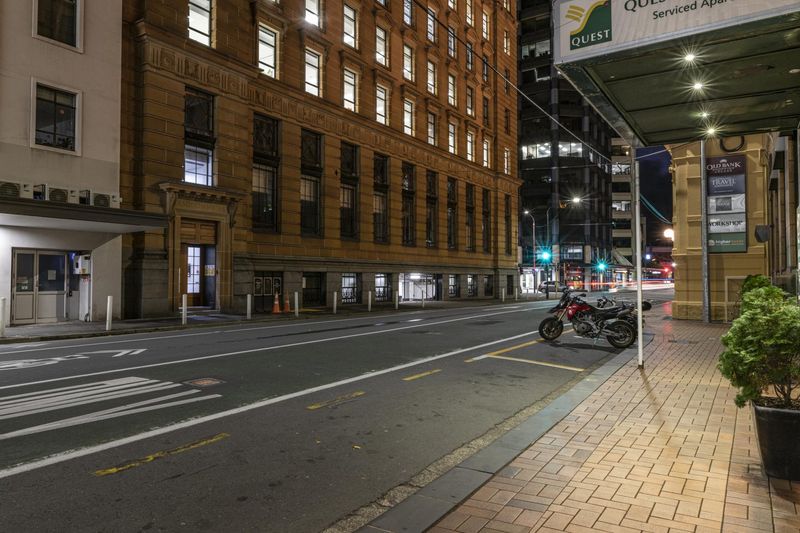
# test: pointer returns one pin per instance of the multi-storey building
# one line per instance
(60, 222)
(622, 233)
(318, 147)
(566, 170)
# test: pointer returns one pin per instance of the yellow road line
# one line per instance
(540, 363)
(160, 455)
(421, 375)
(336, 401)
(517, 347)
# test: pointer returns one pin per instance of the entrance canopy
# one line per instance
(668, 71)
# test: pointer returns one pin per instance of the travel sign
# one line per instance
(727, 203)
(588, 28)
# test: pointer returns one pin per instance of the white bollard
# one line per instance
(423, 301)
(334, 302)
(249, 306)
(296, 304)
(369, 301)
(109, 312)
(2, 317)
(516, 293)
(503, 295)
(396, 301)
(184, 309)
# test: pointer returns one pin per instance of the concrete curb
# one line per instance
(423, 509)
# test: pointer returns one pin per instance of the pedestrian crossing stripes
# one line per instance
(39, 402)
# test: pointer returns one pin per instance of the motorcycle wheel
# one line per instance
(550, 328)
(622, 335)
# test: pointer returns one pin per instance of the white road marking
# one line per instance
(118, 381)
(31, 363)
(260, 349)
(414, 320)
(222, 414)
(58, 395)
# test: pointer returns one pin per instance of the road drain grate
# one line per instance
(204, 382)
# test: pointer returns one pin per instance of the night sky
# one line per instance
(656, 186)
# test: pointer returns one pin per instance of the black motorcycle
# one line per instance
(589, 321)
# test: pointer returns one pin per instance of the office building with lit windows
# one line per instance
(319, 147)
(566, 178)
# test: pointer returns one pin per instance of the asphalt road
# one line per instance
(285, 427)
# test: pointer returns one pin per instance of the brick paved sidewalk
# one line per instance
(661, 450)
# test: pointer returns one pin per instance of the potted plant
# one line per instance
(762, 359)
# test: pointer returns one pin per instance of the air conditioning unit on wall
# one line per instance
(10, 189)
(54, 193)
(101, 200)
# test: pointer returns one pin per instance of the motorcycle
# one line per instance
(589, 321)
(606, 302)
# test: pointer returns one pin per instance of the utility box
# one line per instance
(82, 265)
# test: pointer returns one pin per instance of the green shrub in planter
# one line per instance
(755, 281)
(762, 359)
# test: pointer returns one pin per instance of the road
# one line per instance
(272, 427)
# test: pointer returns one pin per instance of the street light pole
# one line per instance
(533, 239)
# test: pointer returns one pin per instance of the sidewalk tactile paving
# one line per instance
(659, 450)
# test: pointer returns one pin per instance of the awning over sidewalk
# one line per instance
(677, 70)
(76, 217)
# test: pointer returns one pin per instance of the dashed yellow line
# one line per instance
(540, 363)
(160, 455)
(336, 401)
(504, 350)
(421, 375)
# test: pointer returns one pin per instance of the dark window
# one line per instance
(507, 121)
(506, 77)
(452, 213)
(310, 205)
(621, 186)
(486, 221)
(55, 118)
(380, 199)
(485, 68)
(198, 137)
(485, 111)
(470, 222)
(58, 20)
(265, 137)
(381, 170)
(470, 58)
(349, 191)
(621, 223)
(311, 152)
(408, 204)
(508, 224)
(265, 172)
(488, 285)
(432, 208)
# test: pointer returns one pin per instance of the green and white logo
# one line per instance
(594, 24)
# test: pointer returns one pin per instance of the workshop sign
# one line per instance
(727, 206)
(588, 28)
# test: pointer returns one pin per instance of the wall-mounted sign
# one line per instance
(257, 286)
(588, 28)
(727, 205)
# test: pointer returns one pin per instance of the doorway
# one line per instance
(39, 290)
(200, 282)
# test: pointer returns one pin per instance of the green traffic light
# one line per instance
(546, 256)
(601, 266)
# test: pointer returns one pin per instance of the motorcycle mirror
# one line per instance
(646, 306)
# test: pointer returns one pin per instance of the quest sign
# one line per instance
(727, 205)
(588, 28)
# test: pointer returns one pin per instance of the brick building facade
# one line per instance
(318, 147)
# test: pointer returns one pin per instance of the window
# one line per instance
(56, 118)
(350, 93)
(506, 42)
(313, 73)
(506, 161)
(452, 286)
(452, 4)
(485, 111)
(470, 101)
(408, 62)
(408, 117)
(198, 137)
(193, 273)
(408, 205)
(313, 12)
(470, 146)
(430, 29)
(58, 20)
(486, 221)
(507, 120)
(506, 77)
(348, 194)
(311, 167)
(472, 285)
(470, 57)
(432, 208)
(485, 72)
(351, 288)
(452, 213)
(350, 26)
(268, 51)
(199, 21)
(570, 149)
(432, 77)
(381, 98)
(451, 42)
(381, 46)
(486, 153)
(408, 12)
(485, 26)
(470, 222)
(383, 287)
(451, 90)
(536, 151)
(451, 138)
(508, 223)
(469, 15)
(265, 172)
(380, 216)
(432, 128)
(621, 169)
(488, 285)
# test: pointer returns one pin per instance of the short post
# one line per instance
(2, 317)
(369, 301)
(249, 306)
(296, 304)
(184, 309)
(334, 302)
(423, 300)
(109, 312)
(503, 295)
(516, 293)
(396, 301)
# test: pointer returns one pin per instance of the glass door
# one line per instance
(23, 299)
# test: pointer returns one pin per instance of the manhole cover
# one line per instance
(204, 382)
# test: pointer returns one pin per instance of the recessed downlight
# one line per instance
(689, 58)
(697, 86)
(794, 71)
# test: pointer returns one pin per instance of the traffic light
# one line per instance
(601, 266)
(546, 256)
